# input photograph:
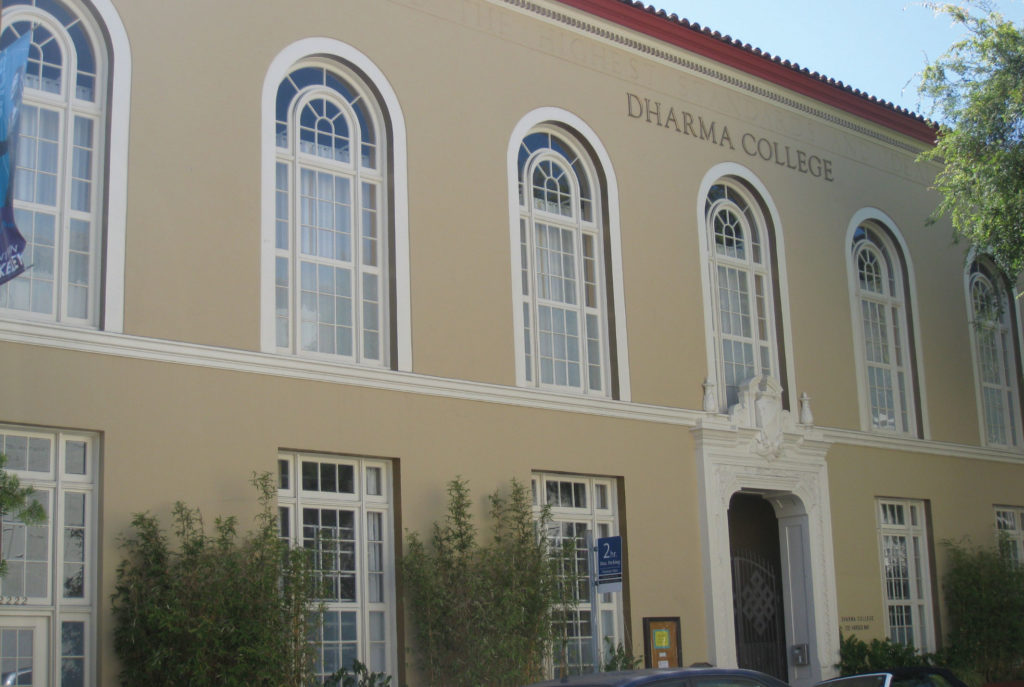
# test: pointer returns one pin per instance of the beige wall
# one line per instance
(194, 193)
(465, 72)
(960, 494)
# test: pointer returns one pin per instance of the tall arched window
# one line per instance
(740, 253)
(563, 293)
(996, 352)
(332, 254)
(884, 337)
(61, 151)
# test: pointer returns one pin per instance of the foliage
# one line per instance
(17, 500)
(977, 87)
(482, 614)
(620, 657)
(984, 592)
(359, 677)
(217, 609)
(858, 656)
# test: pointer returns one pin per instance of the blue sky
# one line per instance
(876, 46)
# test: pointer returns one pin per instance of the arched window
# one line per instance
(332, 257)
(996, 352)
(563, 293)
(885, 338)
(59, 189)
(745, 318)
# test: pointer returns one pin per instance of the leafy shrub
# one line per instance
(858, 656)
(17, 500)
(217, 610)
(984, 592)
(359, 677)
(482, 615)
(620, 657)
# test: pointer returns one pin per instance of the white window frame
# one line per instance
(1010, 524)
(582, 223)
(293, 163)
(602, 520)
(739, 175)
(104, 30)
(755, 266)
(362, 502)
(47, 614)
(996, 322)
(369, 77)
(914, 532)
(573, 129)
(902, 305)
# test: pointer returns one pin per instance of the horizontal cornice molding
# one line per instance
(87, 341)
(659, 29)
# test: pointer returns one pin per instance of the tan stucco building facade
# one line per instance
(683, 289)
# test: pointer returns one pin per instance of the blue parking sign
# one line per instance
(609, 564)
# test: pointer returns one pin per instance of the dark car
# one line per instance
(898, 677)
(670, 677)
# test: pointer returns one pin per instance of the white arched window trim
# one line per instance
(279, 67)
(784, 351)
(119, 79)
(879, 217)
(1010, 300)
(532, 120)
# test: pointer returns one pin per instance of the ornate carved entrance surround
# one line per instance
(761, 448)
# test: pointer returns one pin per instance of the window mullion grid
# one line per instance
(310, 164)
(916, 596)
(363, 182)
(551, 254)
(284, 228)
(577, 520)
(1008, 372)
(362, 603)
(589, 312)
(900, 365)
(729, 295)
(65, 155)
(373, 571)
(531, 297)
(358, 263)
(95, 210)
(527, 304)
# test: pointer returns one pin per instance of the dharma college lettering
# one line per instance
(683, 122)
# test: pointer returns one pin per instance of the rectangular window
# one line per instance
(906, 580)
(579, 505)
(50, 614)
(340, 509)
(1010, 529)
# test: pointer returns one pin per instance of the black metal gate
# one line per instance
(758, 614)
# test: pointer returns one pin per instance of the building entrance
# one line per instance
(758, 613)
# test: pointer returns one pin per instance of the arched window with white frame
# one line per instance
(332, 229)
(563, 291)
(745, 316)
(996, 350)
(884, 338)
(67, 145)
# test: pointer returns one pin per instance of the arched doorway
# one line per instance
(758, 610)
(776, 469)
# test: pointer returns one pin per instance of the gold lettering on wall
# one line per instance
(683, 122)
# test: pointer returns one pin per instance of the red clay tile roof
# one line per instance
(691, 36)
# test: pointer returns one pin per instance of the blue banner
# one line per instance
(12, 79)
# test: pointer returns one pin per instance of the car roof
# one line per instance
(646, 676)
(900, 673)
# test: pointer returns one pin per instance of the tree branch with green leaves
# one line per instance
(977, 90)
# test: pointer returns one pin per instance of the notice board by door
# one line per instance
(662, 644)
